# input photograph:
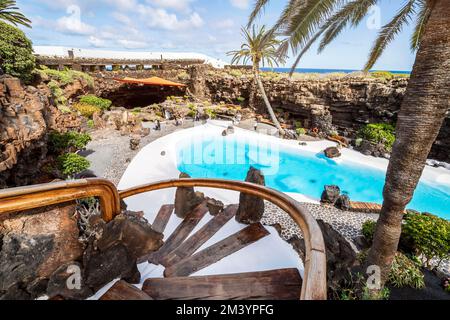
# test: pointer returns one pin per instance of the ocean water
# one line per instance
(323, 71)
(300, 172)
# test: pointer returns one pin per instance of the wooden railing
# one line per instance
(314, 279)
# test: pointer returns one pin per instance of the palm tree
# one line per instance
(425, 104)
(9, 13)
(260, 46)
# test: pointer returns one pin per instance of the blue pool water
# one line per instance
(300, 172)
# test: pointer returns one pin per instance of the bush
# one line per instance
(368, 230)
(16, 52)
(379, 133)
(72, 163)
(240, 99)
(428, 235)
(382, 75)
(57, 93)
(67, 76)
(405, 273)
(300, 131)
(183, 76)
(92, 100)
(60, 142)
(236, 73)
(90, 123)
(86, 110)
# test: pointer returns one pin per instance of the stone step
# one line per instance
(280, 284)
(163, 217)
(217, 251)
(194, 242)
(180, 234)
(122, 290)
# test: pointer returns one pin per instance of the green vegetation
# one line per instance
(103, 104)
(368, 230)
(57, 94)
(428, 235)
(236, 73)
(300, 131)
(406, 273)
(66, 76)
(90, 123)
(211, 113)
(9, 13)
(16, 52)
(379, 133)
(183, 76)
(356, 289)
(72, 140)
(388, 75)
(86, 110)
(241, 100)
(72, 163)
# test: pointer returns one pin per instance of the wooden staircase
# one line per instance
(181, 258)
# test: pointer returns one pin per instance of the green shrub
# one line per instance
(300, 131)
(16, 52)
(72, 140)
(86, 110)
(379, 133)
(405, 273)
(211, 113)
(57, 93)
(67, 76)
(447, 285)
(183, 76)
(236, 73)
(382, 75)
(72, 163)
(92, 100)
(90, 123)
(428, 235)
(368, 230)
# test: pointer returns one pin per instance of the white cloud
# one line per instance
(72, 23)
(122, 18)
(223, 24)
(97, 42)
(178, 5)
(130, 44)
(241, 4)
(123, 4)
(161, 19)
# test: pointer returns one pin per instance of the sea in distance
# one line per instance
(312, 70)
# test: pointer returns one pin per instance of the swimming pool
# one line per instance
(299, 171)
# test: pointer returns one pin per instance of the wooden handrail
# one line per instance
(37, 196)
(314, 280)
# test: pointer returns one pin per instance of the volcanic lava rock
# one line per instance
(251, 208)
(186, 199)
(214, 206)
(343, 202)
(330, 194)
(332, 152)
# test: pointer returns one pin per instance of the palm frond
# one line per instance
(9, 13)
(258, 7)
(352, 13)
(389, 31)
(422, 19)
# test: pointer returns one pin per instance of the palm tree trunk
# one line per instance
(421, 116)
(266, 100)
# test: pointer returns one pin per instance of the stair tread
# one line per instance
(280, 284)
(163, 217)
(180, 234)
(217, 251)
(122, 290)
(194, 242)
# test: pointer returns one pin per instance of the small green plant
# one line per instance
(211, 113)
(57, 93)
(379, 133)
(368, 230)
(236, 73)
(240, 100)
(428, 235)
(382, 75)
(103, 104)
(183, 76)
(405, 273)
(72, 163)
(86, 110)
(68, 141)
(300, 131)
(446, 285)
(90, 123)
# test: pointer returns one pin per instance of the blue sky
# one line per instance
(206, 26)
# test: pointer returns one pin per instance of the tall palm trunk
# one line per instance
(421, 116)
(266, 100)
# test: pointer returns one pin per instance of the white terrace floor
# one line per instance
(158, 161)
